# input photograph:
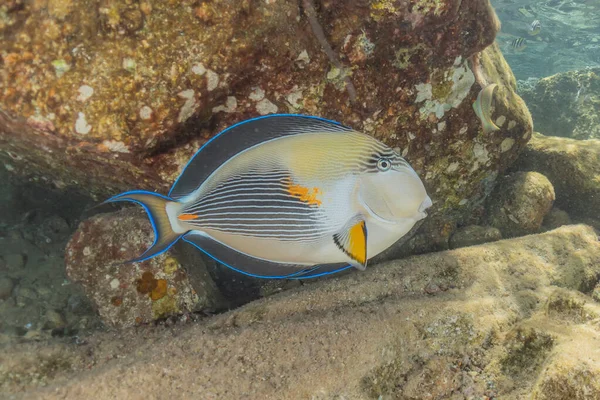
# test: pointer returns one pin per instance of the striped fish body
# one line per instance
(285, 199)
(295, 196)
(535, 28)
(519, 44)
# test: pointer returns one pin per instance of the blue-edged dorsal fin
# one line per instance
(241, 262)
(240, 137)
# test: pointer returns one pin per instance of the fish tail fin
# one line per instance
(155, 206)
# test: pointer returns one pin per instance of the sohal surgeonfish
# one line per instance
(287, 196)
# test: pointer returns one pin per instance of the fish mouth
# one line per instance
(425, 205)
(421, 213)
(377, 216)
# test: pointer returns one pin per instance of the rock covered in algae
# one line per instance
(509, 319)
(555, 219)
(130, 294)
(519, 203)
(109, 96)
(472, 235)
(573, 167)
(566, 104)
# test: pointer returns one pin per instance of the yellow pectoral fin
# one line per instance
(353, 241)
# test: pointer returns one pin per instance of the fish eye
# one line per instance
(383, 164)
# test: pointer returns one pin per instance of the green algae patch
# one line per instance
(526, 349)
(402, 56)
(430, 6)
(37, 369)
(165, 306)
(386, 379)
(564, 305)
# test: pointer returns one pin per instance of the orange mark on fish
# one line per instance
(305, 194)
(187, 217)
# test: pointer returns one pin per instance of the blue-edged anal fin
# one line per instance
(244, 263)
(155, 206)
(352, 240)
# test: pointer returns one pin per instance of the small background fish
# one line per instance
(518, 44)
(535, 28)
(482, 107)
(288, 196)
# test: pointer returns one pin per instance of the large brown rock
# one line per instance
(108, 96)
(134, 293)
(500, 320)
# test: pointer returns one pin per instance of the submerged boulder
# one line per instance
(555, 219)
(519, 203)
(109, 96)
(472, 235)
(573, 167)
(134, 293)
(508, 319)
(566, 104)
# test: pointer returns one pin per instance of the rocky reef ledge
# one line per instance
(499, 320)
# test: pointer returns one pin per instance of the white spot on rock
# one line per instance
(481, 154)
(85, 92)
(212, 80)
(441, 126)
(500, 121)
(230, 105)
(198, 69)
(463, 202)
(116, 146)
(265, 107)
(423, 92)
(507, 144)
(294, 97)
(145, 112)
(87, 251)
(462, 79)
(257, 94)
(81, 125)
(129, 64)
(452, 167)
(303, 58)
(189, 106)
(511, 124)
(114, 284)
